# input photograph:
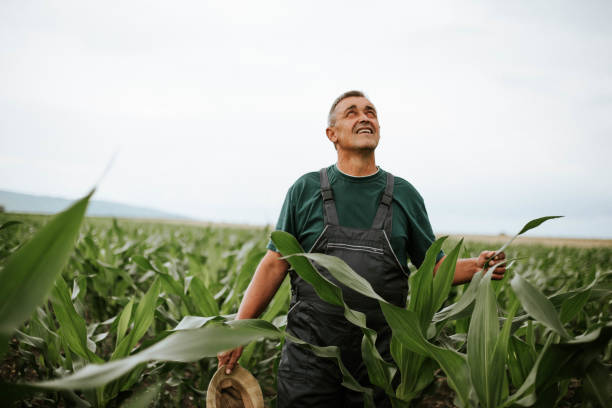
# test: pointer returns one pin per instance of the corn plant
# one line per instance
(479, 377)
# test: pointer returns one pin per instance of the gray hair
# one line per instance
(331, 118)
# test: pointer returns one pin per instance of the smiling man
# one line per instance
(372, 220)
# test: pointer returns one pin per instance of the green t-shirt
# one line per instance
(357, 199)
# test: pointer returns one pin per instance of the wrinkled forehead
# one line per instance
(360, 102)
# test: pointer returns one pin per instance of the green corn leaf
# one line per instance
(30, 272)
(500, 353)
(537, 222)
(9, 224)
(343, 273)
(379, 371)
(124, 320)
(72, 326)
(529, 383)
(143, 398)
(537, 305)
(521, 358)
(421, 286)
(143, 263)
(195, 322)
(462, 307)
(572, 306)
(529, 226)
(143, 318)
(416, 371)
(288, 245)
(443, 280)
(202, 298)
(482, 338)
(405, 326)
(556, 362)
(181, 346)
(598, 383)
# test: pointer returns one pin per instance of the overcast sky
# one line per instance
(497, 112)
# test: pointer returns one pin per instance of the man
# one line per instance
(374, 222)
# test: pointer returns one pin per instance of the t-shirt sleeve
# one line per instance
(421, 235)
(286, 219)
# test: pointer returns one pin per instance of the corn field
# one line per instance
(107, 313)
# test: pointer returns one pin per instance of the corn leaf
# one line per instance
(143, 398)
(572, 306)
(537, 305)
(421, 286)
(521, 358)
(462, 308)
(288, 246)
(202, 298)
(406, 327)
(72, 326)
(9, 224)
(598, 383)
(181, 346)
(482, 338)
(443, 280)
(529, 226)
(124, 320)
(417, 371)
(143, 318)
(343, 273)
(30, 272)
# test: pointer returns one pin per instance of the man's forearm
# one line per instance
(267, 278)
(467, 267)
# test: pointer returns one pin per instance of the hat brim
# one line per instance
(241, 380)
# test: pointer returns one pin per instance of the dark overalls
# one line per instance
(305, 380)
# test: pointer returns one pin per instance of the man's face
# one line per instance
(356, 125)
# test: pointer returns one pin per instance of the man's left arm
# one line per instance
(467, 267)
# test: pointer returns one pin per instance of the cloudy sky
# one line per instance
(498, 112)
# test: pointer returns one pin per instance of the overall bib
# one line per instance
(305, 380)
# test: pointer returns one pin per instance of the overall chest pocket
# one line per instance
(353, 247)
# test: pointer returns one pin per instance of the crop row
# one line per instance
(135, 312)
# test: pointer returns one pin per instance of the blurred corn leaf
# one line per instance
(181, 346)
(29, 273)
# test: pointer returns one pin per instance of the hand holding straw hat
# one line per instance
(239, 389)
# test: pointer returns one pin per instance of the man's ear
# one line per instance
(331, 134)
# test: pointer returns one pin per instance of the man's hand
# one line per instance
(492, 259)
(229, 359)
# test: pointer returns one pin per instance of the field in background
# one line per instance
(203, 270)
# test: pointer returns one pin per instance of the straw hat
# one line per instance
(236, 390)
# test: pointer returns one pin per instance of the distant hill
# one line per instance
(27, 203)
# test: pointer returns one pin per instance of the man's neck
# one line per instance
(357, 165)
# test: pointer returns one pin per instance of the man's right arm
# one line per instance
(268, 276)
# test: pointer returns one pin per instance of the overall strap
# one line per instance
(330, 216)
(383, 217)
